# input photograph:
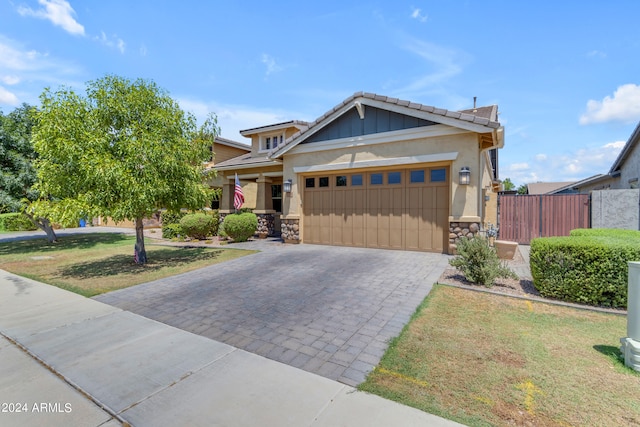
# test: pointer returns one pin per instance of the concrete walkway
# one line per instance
(325, 309)
(71, 361)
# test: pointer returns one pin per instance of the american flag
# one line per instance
(238, 196)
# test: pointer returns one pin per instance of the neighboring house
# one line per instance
(549, 188)
(372, 172)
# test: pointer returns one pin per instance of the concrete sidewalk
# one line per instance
(72, 361)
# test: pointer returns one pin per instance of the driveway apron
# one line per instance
(327, 310)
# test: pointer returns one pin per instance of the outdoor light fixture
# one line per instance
(465, 176)
(287, 186)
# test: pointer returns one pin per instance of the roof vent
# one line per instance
(475, 99)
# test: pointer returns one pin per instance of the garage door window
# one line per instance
(310, 182)
(394, 178)
(341, 181)
(323, 182)
(356, 180)
(438, 175)
(376, 179)
(417, 177)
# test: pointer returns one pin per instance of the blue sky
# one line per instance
(565, 75)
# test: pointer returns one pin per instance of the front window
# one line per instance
(271, 142)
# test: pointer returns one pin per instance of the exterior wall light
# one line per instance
(465, 176)
(286, 186)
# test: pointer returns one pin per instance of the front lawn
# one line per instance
(91, 264)
(484, 359)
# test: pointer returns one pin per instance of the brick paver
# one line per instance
(327, 310)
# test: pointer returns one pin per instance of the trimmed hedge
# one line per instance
(240, 226)
(199, 226)
(16, 222)
(172, 231)
(589, 267)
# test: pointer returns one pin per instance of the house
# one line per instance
(373, 172)
(223, 149)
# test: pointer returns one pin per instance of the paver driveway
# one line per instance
(328, 310)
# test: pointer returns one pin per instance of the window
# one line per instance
(356, 179)
(271, 142)
(341, 181)
(323, 182)
(394, 178)
(376, 179)
(438, 175)
(276, 197)
(417, 176)
(309, 182)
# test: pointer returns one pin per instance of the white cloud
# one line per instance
(234, 118)
(444, 63)
(572, 166)
(270, 62)
(59, 12)
(112, 42)
(143, 50)
(596, 54)
(624, 107)
(417, 14)
(8, 98)
(10, 80)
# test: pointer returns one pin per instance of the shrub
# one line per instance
(479, 262)
(240, 226)
(16, 222)
(589, 267)
(171, 231)
(169, 217)
(198, 226)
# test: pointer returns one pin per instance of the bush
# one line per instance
(240, 226)
(479, 262)
(589, 267)
(16, 222)
(198, 226)
(171, 231)
(169, 217)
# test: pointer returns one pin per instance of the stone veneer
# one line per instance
(290, 230)
(458, 230)
(265, 225)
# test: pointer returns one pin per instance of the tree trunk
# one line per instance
(45, 225)
(140, 253)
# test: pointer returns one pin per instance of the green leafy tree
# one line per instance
(17, 172)
(508, 184)
(123, 151)
(523, 189)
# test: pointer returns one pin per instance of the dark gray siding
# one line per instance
(375, 121)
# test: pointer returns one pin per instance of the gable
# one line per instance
(376, 120)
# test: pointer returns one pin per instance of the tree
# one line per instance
(523, 189)
(17, 172)
(123, 151)
(507, 184)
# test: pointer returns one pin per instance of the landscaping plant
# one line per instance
(199, 226)
(479, 262)
(240, 226)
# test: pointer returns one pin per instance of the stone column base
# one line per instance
(459, 230)
(630, 349)
(265, 225)
(290, 230)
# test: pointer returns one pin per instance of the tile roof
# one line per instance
(251, 131)
(546, 187)
(485, 116)
(230, 143)
(245, 160)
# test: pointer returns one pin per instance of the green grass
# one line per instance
(91, 264)
(483, 359)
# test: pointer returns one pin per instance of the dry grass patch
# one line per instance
(91, 264)
(484, 359)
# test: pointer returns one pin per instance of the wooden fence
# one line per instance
(525, 217)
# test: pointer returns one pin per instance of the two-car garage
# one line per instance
(388, 209)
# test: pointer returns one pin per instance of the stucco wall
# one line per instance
(615, 209)
(464, 199)
(630, 169)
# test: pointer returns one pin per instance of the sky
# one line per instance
(565, 75)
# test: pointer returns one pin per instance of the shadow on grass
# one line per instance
(616, 357)
(124, 264)
(68, 242)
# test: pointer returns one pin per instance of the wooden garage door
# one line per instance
(394, 209)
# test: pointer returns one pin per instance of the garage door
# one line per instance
(394, 209)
